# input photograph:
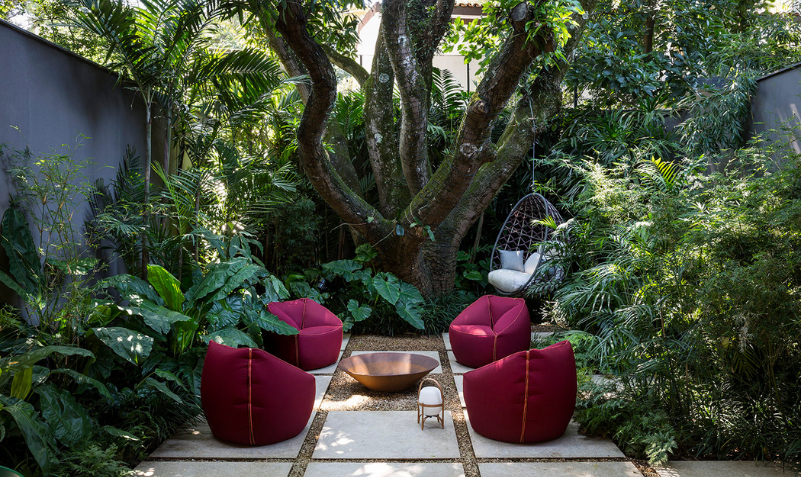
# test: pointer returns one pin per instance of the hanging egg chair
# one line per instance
(514, 268)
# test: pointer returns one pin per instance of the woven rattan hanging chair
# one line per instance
(521, 231)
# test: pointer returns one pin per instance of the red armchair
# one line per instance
(529, 396)
(319, 337)
(492, 328)
(250, 397)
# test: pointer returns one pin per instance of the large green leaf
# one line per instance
(157, 317)
(240, 279)
(216, 277)
(225, 313)
(409, 294)
(130, 345)
(23, 258)
(167, 286)
(269, 322)
(14, 286)
(275, 287)
(132, 288)
(411, 314)
(344, 268)
(162, 387)
(67, 419)
(36, 433)
(388, 286)
(80, 378)
(359, 313)
(230, 337)
(32, 357)
(120, 433)
(21, 384)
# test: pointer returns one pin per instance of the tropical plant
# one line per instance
(358, 292)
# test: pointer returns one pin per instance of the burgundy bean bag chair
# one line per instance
(492, 328)
(250, 397)
(319, 337)
(529, 396)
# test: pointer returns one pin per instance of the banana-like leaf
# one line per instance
(132, 288)
(388, 286)
(162, 387)
(68, 420)
(32, 357)
(12, 284)
(157, 317)
(169, 377)
(21, 384)
(269, 322)
(238, 280)
(216, 277)
(167, 286)
(80, 378)
(277, 287)
(120, 433)
(36, 433)
(132, 346)
(230, 337)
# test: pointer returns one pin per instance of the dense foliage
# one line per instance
(682, 249)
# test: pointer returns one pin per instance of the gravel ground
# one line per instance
(346, 394)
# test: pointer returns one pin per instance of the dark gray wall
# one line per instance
(776, 105)
(52, 96)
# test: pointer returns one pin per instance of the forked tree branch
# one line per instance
(380, 134)
(543, 98)
(413, 92)
(348, 64)
(338, 154)
(291, 23)
(473, 146)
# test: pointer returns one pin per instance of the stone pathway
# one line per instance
(389, 443)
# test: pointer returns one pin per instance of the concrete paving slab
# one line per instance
(345, 340)
(321, 386)
(570, 446)
(383, 469)
(721, 469)
(562, 469)
(328, 369)
(206, 469)
(446, 337)
(457, 367)
(460, 388)
(385, 435)
(430, 354)
(198, 443)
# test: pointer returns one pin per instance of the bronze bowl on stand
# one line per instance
(388, 372)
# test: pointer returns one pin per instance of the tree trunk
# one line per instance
(146, 215)
(449, 200)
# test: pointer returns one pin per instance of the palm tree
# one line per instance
(163, 47)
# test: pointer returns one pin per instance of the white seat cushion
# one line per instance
(508, 281)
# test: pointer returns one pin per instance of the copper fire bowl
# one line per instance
(388, 372)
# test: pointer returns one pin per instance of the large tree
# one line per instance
(423, 212)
